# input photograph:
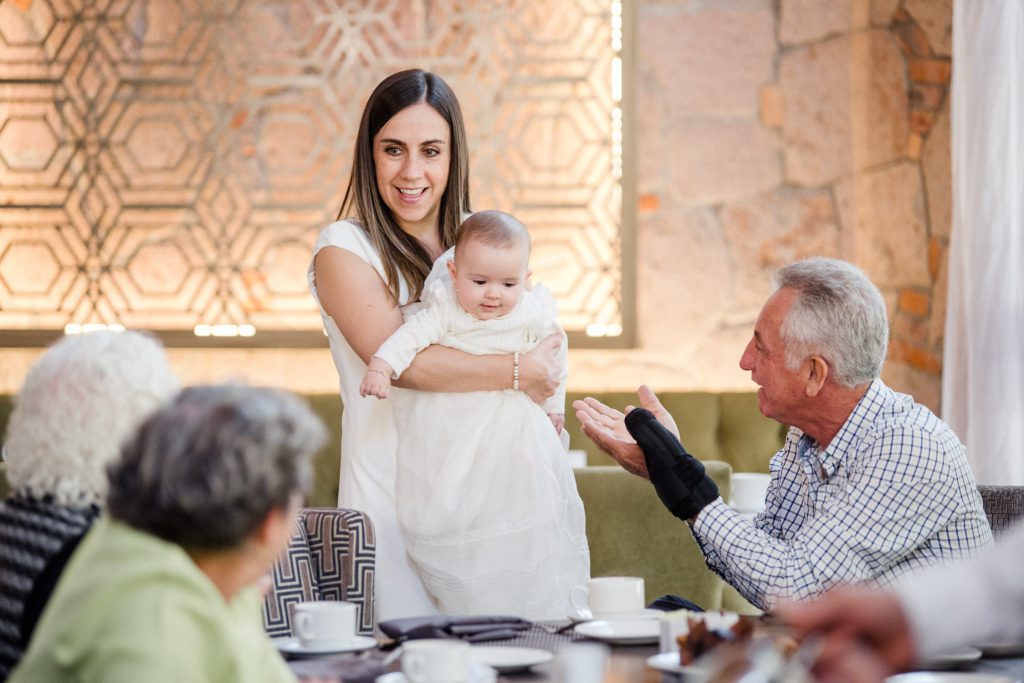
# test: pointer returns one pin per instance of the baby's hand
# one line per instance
(375, 383)
(377, 380)
(557, 419)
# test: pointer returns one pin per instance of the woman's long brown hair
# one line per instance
(401, 253)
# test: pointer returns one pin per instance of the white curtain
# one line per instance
(983, 382)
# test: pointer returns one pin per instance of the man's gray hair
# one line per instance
(839, 314)
(204, 471)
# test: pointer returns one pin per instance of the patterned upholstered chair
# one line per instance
(330, 557)
(1004, 506)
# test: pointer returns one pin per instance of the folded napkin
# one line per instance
(472, 629)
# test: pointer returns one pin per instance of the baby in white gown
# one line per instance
(486, 498)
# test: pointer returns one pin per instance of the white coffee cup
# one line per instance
(610, 596)
(436, 660)
(324, 623)
(749, 490)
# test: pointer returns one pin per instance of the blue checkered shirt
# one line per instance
(891, 493)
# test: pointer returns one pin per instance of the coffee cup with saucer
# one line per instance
(611, 598)
(323, 627)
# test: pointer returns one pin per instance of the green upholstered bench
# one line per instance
(327, 464)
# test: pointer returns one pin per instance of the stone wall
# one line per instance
(770, 131)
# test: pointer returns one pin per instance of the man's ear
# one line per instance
(816, 372)
(451, 269)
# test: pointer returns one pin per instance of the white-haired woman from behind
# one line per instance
(80, 402)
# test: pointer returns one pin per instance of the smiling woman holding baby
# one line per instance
(407, 195)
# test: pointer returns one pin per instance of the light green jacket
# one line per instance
(132, 607)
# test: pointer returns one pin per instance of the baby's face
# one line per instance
(488, 279)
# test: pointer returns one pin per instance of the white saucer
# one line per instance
(947, 677)
(622, 632)
(669, 663)
(479, 673)
(949, 660)
(293, 646)
(509, 659)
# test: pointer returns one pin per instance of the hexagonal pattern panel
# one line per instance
(167, 163)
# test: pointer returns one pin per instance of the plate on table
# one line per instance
(668, 662)
(508, 660)
(951, 659)
(622, 632)
(478, 673)
(293, 646)
(1001, 649)
(947, 677)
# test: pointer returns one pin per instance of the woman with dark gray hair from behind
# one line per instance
(80, 401)
(202, 503)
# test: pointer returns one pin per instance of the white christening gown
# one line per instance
(486, 498)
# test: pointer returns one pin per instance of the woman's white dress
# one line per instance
(486, 497)
(368, 442)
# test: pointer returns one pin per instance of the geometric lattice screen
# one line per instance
(167, 164)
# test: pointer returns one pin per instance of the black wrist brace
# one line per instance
(678, 477)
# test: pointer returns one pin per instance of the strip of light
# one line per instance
(224, 330)
(84, 328)
(617, 79)
(599, 330)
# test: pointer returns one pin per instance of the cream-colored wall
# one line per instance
(763, 135)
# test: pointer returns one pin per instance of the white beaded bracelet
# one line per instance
(515, 371)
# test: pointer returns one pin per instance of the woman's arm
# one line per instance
(355, 296)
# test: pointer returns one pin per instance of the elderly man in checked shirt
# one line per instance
(869, 484)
